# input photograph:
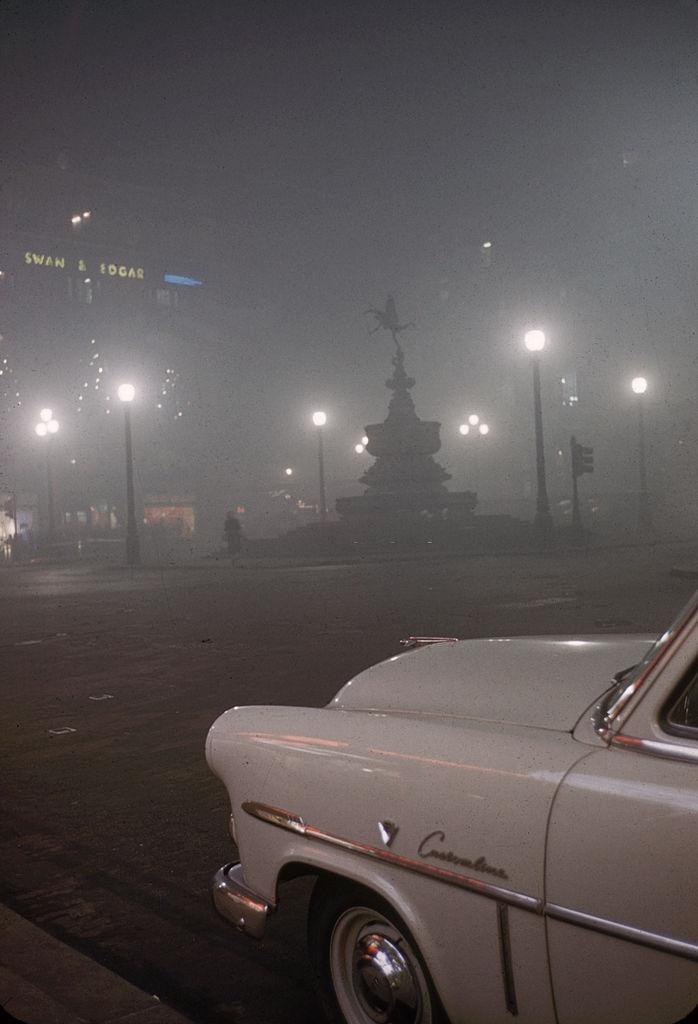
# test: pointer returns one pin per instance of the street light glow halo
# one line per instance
(639, 385)
(534, 340)
(319, 418)
(358, 448)
(52, 426)
(46, 415)
(41, 429)
(464, 429)
(484, 429)
(473, 419)
(126, 392)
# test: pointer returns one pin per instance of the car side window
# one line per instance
(682, 715)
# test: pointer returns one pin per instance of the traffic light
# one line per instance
(582, 459)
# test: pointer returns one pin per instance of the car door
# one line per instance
(622, 868)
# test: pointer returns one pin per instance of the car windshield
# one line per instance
(627, 680)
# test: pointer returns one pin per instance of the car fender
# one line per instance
(319, 787)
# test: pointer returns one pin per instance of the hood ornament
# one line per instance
(423, 641)
(387, 831)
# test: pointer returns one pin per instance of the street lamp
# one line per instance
(288, 471)
(535, 343)
(46, 427)
(644, 520)
(320, 419)
(127, 393)
(477, 428)
(474, 421)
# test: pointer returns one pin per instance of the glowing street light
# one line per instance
(359, 449)
(127, 393)
(534, 342)
(475, 428)
(364, 440)
(320, 419)
(46, 427)
(474, 421)
(639, 387)
(288, 471)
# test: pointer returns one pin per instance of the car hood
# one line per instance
(547, 682)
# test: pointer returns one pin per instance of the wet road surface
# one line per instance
(111, 823)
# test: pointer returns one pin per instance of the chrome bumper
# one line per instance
(238, 904)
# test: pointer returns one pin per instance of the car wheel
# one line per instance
(367, 967)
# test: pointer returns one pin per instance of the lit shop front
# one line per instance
(175, 515)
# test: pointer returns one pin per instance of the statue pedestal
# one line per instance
(446, 506)
(405, 487)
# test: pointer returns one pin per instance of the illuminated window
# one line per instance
(570, 393)
(82, 290)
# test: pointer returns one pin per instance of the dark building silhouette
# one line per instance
(98, 286)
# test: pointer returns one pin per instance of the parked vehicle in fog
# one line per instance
(499, 827)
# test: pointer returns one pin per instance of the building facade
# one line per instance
(95, 291)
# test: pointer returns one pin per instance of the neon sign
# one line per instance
(107, 269)
(40, 259)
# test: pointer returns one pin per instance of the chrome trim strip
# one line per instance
(292, 823)
(665, 944)
(656, 748)
(505, 955)
(238, 904)
(275, 816)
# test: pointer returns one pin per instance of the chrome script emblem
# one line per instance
(387, 831)
(425, 851)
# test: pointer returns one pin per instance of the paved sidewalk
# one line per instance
(44, 981)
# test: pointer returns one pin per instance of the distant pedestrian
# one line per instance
(233, 535)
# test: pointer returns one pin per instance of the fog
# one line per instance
(304, 161)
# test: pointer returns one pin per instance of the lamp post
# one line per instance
(535, 343)
(47, 427)
(474, 427)
(320, 419)
(127, 393)
(644, 520)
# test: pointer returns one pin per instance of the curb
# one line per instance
(45, 981)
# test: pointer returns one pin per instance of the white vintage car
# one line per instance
(499, 828)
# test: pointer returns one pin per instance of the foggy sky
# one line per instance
(330, 153)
